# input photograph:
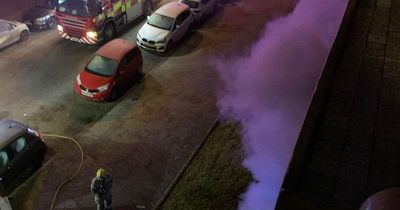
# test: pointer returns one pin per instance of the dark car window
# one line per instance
(4, 158)
(4, 27)
(18, 145)
(184, 16)
(12, 150)
(191, 4)
(178, 21)
(79, 8)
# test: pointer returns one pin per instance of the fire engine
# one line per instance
(93, 21)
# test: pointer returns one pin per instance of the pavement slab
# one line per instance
(357, 142)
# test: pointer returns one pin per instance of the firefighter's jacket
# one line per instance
(101, 186)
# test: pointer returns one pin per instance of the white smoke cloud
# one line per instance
(269, 91)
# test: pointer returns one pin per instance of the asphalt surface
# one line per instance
(145, 137)
(356, 150)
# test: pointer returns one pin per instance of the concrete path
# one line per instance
(358, 142)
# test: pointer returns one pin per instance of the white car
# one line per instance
(165, 27)
(12, 31)
(201, 8)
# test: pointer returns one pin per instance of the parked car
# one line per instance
(11, 32)
(42, 16)
(21, 148)
(201, 8)
(113, 68)
(165, 27)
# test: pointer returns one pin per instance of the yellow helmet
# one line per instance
(100, 172)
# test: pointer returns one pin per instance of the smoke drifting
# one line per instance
(269, 92)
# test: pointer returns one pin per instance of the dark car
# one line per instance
(42, 16)
(22, 150)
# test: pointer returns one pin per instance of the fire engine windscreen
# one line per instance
(82, 8)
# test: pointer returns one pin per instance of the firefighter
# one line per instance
(101, 188)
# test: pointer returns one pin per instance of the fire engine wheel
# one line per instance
(51, 22)
(148, 8)
(109, 32)
(24, 35)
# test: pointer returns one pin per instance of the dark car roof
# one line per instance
(10, 130)
(38, 12)
(116, 49)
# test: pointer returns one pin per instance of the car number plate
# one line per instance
(87, 94)
(75, 39)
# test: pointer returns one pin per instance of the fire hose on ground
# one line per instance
(61, 137)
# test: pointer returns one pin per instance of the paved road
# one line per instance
(144, 138)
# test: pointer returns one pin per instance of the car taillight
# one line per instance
(40, 137)
(34, 132)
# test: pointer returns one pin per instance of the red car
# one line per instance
(113, 68)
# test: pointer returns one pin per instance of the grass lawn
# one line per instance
(215, 178)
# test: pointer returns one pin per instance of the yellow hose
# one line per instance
(77, 171)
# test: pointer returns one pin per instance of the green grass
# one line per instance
(215, 178)
(25, 196)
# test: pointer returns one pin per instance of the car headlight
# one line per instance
(78, 79)
(138, 36)
(42, 19)
(91, 34)
(60, 28)
(103, 87)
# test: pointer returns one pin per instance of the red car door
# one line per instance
(128, 70)
(134, 59)
(120, 78)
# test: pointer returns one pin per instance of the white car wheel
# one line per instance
(24, 35)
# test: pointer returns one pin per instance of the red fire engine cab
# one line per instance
(93, 21)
